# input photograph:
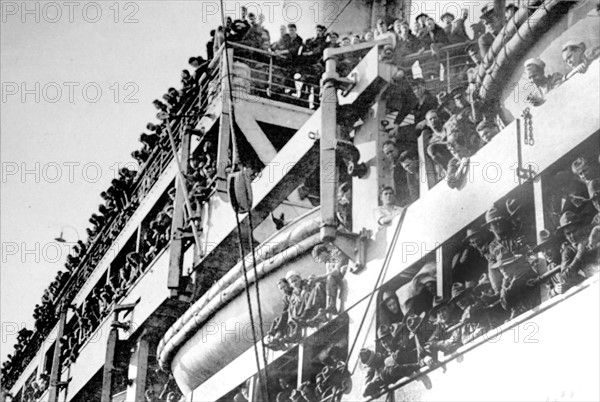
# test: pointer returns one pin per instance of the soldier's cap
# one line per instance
(438, 302)
(385, 331)
(536, 61)
(493, 215)
(473, 46)
(421, 15)
(488, 14)
(593, 188)
(447, 15)
(573, 43)
(459, 290)
(289, 274)
(367, 357)
(483, 285)
(546, 238)
(567, 219)
(321, 27)
(472, 233)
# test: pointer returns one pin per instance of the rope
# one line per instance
(386, 264)
(260, 318)
(241, 247)
(334, 19)
(248, 300)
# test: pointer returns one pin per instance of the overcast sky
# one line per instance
(78, 80)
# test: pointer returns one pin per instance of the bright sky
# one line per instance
(78, 79)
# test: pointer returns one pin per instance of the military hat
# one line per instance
(447, 15)
(383, 332)
(388, 330)
(493, 215)
(535, 61)
(421, 15)
(546, 237)
(438, 302)
(573, 43)
(593, 188)
(289, 274)
(488, 13)
(567, 219)
(369, 358)
(459, 290)
(483, 285)
(321, 27)
(471, 233)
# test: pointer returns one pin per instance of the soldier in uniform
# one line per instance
(577, 57)
(385, 214)
(404, 357)
(493, 24)
(279, 326)
(330, 255)
(585, 169)
(462, 142)
(508, 271)
(550, 247)
(579, 255)
(542, 83)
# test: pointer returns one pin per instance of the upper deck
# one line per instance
(282, 132)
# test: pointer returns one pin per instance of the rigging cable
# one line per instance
(234, 162)
(334, 19)
(384, 269)
(248, 300)
(260, 318)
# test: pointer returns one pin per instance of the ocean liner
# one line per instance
(378, 220)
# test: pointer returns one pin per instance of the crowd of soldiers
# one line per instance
(455, 127)
(119, 202)
(308, 302)
(498, 275)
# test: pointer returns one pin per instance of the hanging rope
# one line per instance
(381, 275)
(334, 19)
(260, 319)
(248, 300)
(234, 162)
